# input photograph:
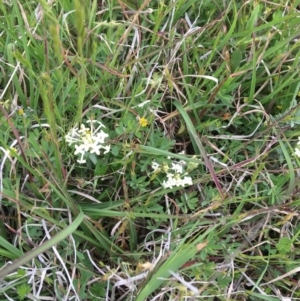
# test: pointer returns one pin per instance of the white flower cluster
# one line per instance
(88, 140)
(175, 174)
(297, 149)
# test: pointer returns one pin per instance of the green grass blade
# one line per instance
(183, 253)
(44, 247)
(14, 252)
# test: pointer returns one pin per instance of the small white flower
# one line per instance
(155, 166)
(187, 181)
(107, 149)
(94, 149)
(177, 168)
(81, 149)
(170, 183)
(297, 152)
(82, 130)
(100, 137)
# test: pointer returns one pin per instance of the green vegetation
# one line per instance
(149, 150)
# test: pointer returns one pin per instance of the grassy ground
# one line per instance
(149, 150)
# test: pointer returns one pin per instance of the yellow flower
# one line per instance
(143, 122)
(20, 112)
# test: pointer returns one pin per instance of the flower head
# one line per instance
(175, 173)
(20, 111)
(143, 122)
(176, 180)
(88, 140)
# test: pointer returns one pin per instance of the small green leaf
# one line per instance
(284, 245)
(115, 150)
(23, 290)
